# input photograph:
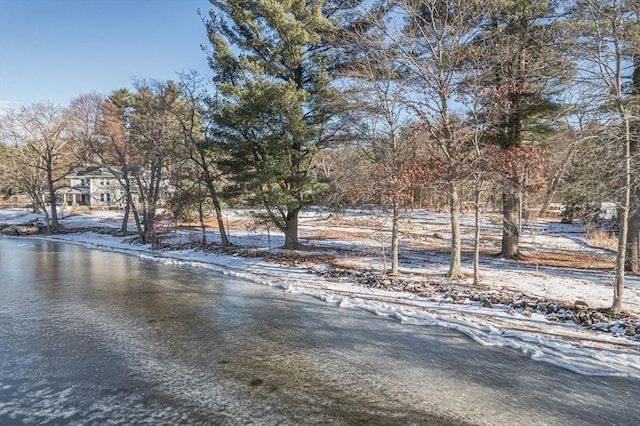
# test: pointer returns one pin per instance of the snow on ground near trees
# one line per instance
(355, 240)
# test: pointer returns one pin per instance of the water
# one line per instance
(92, 337)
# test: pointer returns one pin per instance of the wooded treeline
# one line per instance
(350, 102)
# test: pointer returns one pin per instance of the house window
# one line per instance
(105, 182)
(84, 181)
(105, 197)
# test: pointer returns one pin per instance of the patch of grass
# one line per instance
(602, 239)
(567, 260)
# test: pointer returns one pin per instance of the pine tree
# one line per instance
(523, 46)
(273, 71)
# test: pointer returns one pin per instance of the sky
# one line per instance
(55, 50)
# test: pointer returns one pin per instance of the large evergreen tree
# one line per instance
(527, 67)
(273, 72)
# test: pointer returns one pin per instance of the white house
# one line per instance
(94, 187)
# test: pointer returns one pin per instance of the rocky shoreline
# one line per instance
(438, 289)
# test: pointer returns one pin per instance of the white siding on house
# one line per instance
(101, 185)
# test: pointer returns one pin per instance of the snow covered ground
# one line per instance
(339, 244)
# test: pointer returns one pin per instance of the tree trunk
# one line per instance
(128, 203)
(136, 218)
(52, 197)
(153, 196)
(35, 202)
(43, 207)
(291, 230)
(632, 263)
(618, 286)
(455, 270)
(633, 237)
(394, 240)
(149, 224)
(124, 227)
(224, 240)
(510, 235)
(633, 241)
(203, 227)
(476, 242)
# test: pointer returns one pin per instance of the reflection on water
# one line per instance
(94, 337)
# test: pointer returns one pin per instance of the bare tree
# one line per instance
(609, 30)
(435, 46)
(40, 133)
(382, 118)
(199, 130)
(156, 141)
(21, 175)
(101, 125)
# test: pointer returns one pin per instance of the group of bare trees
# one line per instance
(145, 138)
(346, 102)
(37, 150)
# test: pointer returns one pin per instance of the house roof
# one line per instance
(94, 172)
(77, 189)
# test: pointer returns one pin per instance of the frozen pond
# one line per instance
(94, 337)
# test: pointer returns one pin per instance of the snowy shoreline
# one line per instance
(566, 345)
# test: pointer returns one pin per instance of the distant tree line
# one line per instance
(388, 102)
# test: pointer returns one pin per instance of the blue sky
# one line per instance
(56, 50)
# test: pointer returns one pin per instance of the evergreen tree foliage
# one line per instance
(522, 46)
(273, 71)
(528, 69)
